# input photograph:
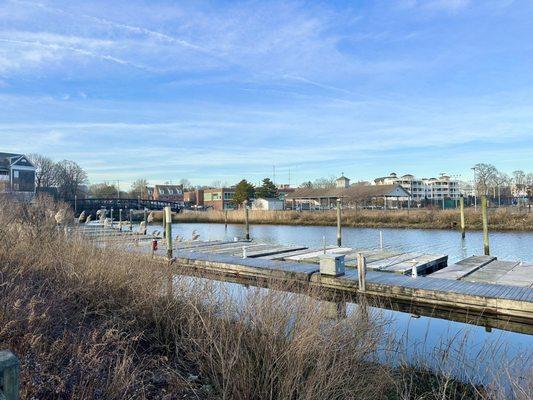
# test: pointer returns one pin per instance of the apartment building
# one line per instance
(421, 189)
(219, 199)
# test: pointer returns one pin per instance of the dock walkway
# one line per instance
(460, 287)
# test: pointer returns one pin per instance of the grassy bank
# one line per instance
(499, 219)
(89, 323)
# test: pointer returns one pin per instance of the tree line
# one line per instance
(64, 177)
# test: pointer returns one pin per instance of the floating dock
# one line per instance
(498, 290)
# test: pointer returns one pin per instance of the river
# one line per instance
(420, 335)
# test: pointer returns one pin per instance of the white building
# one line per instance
(432, 189)
(268, 204)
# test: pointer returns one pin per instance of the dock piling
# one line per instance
(111, 218)
(246, 221)
(226, 219)
(120, 219)
(486, 249)
(131, 220)
(168, 231)
(324, 243)
(164, 222)
(361, 271)
(339, 225)
(462, 207)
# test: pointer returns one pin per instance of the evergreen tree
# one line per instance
(243, 192)
(267, 190)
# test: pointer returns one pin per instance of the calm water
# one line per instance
(504, 245)
(420, 336)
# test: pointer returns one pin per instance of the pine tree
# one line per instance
(267, 190)
(244, 191)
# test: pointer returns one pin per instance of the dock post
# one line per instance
(226, 219)
(111, 218)
(339, 226)
(131, 220)
(168, 231)
(324, 243)
(246, 221)
(120, 219)
(462, 207)
(9, 373)
(164, 222)
(361, 271)
(486, 249)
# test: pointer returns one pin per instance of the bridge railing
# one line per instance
(135, 204)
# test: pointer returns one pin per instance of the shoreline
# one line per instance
(499, 220)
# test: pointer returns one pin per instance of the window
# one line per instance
(15, 174)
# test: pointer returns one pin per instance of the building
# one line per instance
(17, 176)
(424, 189)
(358, 195)
(219, 199)
(167, 193)
(194, 198)
(268, 204)
(284, 190)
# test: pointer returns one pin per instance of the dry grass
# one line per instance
(503, 219)
(89, 323)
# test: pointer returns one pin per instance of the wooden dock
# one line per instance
(481, 285)
(488, 269)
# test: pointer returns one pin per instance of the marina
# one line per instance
(468, 289)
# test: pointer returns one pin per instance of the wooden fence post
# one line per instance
(9, 372)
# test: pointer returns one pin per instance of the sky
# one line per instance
(220, 91)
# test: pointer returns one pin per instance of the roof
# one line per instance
(353, 192)
(9, 159)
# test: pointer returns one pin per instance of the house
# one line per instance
(219, 199)
(168, 193)
(268, 204)
(351, 195)
(17, 176)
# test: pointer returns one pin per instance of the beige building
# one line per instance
(439, 188)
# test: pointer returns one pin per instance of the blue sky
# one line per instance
(210, 91)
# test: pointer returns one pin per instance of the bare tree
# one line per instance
(45, 175)
(325, 183)
(138, 188)
(69, 177)
(186, 184)
(485, 175)
(103, 190)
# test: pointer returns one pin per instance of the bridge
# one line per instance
(93, 205)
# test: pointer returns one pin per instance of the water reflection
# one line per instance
(438, 344)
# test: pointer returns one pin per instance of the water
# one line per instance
(422, 335)
(425, 339)
(512, 246)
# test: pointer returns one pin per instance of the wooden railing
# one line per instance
(9, 376)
